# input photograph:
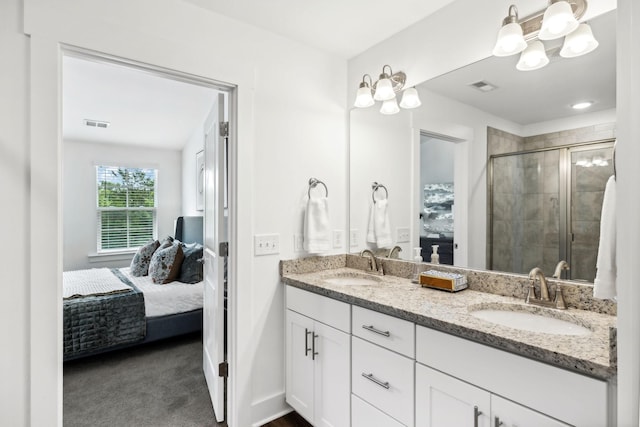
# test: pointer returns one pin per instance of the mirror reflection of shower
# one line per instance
(437, 197)
(545, 205)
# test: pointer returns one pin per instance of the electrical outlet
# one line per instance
(266, 244)
(338, 237)
(297, 243)
(353, 237)
(402, 235)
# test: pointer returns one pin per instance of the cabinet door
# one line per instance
(505, 413)
(365, 415)
(444, 401)
(299, 364)
(332, 373)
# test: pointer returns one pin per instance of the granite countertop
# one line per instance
(593, 354)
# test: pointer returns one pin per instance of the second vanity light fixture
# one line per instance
(560, 19)
(385, 89)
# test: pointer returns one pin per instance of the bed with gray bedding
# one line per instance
(96, 322)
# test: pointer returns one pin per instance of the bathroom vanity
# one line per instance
(373, 350)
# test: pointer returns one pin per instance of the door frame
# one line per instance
(47, 158)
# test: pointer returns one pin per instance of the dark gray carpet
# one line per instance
(155, 385)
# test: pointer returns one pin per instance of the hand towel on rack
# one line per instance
(379, 230)
(606, 273)
(316, 225)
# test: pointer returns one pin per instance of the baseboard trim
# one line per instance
(269, 409)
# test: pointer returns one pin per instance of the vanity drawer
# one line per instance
(390, 332)
(365, 415)
(323, 309)
(384, 379)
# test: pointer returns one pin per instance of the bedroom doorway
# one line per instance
(140, 149)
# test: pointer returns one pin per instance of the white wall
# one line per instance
(15, 215)
(284, 136)
(79, 196)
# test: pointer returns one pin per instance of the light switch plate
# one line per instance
(353, 237)
(266, 244)
(402, 235)
(338, 238)
(297, 243)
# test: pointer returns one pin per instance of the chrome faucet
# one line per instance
(374, 263)
(562, 265)
(393, 250)
(558, 302)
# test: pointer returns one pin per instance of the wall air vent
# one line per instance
(96, 123)
(483, 86)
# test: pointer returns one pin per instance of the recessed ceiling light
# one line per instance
(582, 105)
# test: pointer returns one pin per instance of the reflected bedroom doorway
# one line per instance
(436, 195)
(150, 126)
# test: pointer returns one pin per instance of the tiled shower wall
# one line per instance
(526, 202)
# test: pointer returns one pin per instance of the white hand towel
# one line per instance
(371, 231)
(606, 274)
(316, 226)
(381, 224)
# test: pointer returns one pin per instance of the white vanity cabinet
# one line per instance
(458, 381)
(318, 358)
(442, 400)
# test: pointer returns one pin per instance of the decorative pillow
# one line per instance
(191, 269)
(142, 258)
(165, 264)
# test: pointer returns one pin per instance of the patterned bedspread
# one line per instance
(93, 323)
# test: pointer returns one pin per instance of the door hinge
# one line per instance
(224, 128)
(223, 250)
(223, 370)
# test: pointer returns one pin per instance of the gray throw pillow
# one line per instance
(191, 269)
(142, 258)
(165, 264)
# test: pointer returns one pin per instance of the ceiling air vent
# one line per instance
(96, 123)
(483, 86)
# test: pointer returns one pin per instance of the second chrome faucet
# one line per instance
(374, 263)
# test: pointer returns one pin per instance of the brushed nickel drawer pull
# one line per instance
(314, 353)
(497, 422)
(377, 331)
(370, 377)
(306, 341)
(476, 414)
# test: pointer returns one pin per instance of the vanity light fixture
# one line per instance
(560, 19)
(385, 89)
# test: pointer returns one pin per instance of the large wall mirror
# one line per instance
(503, 179)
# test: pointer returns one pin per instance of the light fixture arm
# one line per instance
(512, 16)
(364, 81)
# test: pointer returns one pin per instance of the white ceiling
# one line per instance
(144, 109)
(342, 27)
(527, 97)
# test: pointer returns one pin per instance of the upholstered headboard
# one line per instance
(189, 229)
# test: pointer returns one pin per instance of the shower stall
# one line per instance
(545, 205)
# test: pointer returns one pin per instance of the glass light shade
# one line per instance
(384, 89)
(390, 106)
(364, 98)
(410, 98)
(558, 21)
(533, 57)
(510, 40)
(579, 42)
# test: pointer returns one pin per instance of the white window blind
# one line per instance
(126, 207)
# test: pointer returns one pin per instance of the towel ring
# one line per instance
(374, 187)
(313, 182)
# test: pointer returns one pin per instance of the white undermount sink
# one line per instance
(347, 278)
(516, 317)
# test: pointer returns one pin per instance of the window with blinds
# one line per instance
(126, 207)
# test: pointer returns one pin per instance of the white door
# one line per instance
(444, 401)
(299, 364)
(213, 328)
